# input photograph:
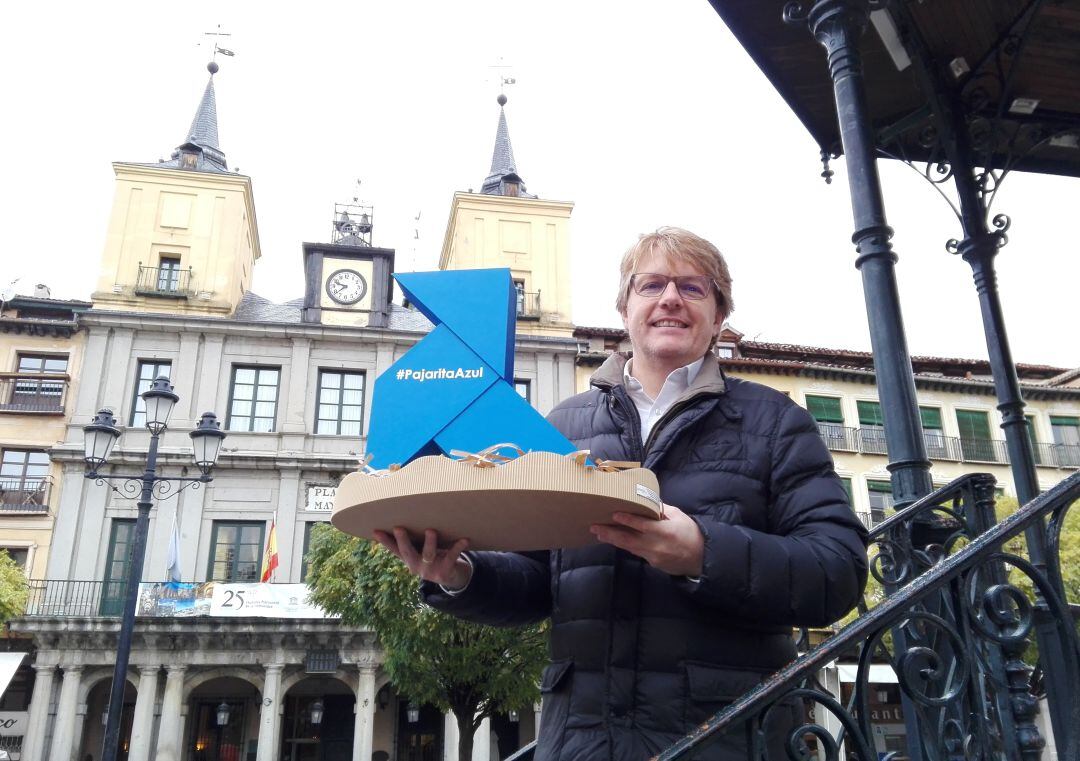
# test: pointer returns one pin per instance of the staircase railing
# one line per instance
(953, 626)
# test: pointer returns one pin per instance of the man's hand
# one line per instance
(445, 567)
(673, 544)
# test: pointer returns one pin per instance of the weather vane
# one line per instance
(218, 48)
(504, 80)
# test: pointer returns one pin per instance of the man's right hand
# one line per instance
(444, 567)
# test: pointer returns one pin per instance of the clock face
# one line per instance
(346, 286)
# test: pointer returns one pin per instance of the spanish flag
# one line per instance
(270, 559)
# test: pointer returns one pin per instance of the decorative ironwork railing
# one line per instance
(164, 281)
(939, 447)
(75, 599)
(960, 604)
(25, 495)
(528, 305)
(33, 393)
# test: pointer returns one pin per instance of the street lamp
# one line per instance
(412, 712)
(222, 714)
(316, 712)
(99, 438)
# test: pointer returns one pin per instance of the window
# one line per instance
(1066, 432)
(725, 352)
(169, 275)
(519, 295)
(524, 389)
(33, 395)
(975, 440)
(24, 476)
(847, 490)
(881, 499)
(235, 551)
(253, 400)
(144, 377)
(121, 545)
(871, 427)
(18, 554)
(308, 528)
(830, 419)
(934, 434)
(340, 404)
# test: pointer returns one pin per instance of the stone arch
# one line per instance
(288, 682)
(98, 676)
(248, 675)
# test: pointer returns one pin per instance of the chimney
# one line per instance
(42, 291)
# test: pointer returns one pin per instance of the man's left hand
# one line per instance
(673, 544)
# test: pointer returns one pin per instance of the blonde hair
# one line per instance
(679, 245)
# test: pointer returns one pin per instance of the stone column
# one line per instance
(142, 725)
(63, 736)
(34, 741)
(364, 729)
(481, 743)
(450, 737)
(270, 714)
(168, 745)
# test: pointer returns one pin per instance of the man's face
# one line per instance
(670, 331)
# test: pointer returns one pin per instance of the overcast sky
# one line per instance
(641, 113)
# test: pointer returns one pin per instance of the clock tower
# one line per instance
(348, 281)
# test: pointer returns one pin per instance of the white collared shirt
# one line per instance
(651, 410)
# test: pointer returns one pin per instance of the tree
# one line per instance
(475, 671)
(13, 588)
(1069, 550)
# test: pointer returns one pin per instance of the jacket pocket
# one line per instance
(554, 674)
(555, 693)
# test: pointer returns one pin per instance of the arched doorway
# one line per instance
(318, 721)
(223, 720)
(97, 705)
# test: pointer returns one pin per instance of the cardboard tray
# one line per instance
(537, 501)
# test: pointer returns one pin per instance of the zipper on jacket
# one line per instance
(667, 417)
(635, 430)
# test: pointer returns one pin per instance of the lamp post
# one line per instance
(99, 438)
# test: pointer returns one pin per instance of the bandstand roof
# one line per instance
(1026, 49)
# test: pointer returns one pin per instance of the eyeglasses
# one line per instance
(652, 285)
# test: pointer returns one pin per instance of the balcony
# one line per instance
(838, 438)
(528, 305)
(33, 393)
(164, 282)
(74, 599)
(938, 447)
(25, 495)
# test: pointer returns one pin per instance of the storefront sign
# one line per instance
(13, 723)
(321, 498)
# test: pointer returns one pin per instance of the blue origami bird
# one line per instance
(454, 389)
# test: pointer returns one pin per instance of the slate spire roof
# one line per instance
(503, 179)
(200, 151)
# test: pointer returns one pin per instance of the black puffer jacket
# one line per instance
(640, 657)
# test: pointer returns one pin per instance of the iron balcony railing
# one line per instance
(528, 305)
(75, 599)
(939, 447)
(170, 282)
(25, 495)
(33, 393)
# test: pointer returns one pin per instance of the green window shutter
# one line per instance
(1064, 420)
(825, 409)
(931, 418)
(847, 488)
(870, 413)
(879, 486)
(973, 424)
(1030, 420)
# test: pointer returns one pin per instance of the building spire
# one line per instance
(200, 151)
(503, 179)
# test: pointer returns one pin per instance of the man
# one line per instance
(661, 623)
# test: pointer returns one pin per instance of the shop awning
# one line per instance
(880, 673)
